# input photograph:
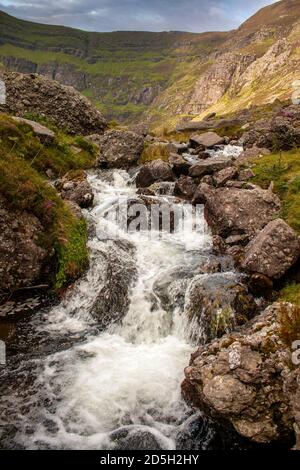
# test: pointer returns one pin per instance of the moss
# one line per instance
(291, 293)
(283, 169)
(59, 156)
(24, 186)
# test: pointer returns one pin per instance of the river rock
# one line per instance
(158, 170)
(207, 140)
(222, 176)
(179, 165)
(216, 303)
(185, 187)
(273, 251)
(135, 438)
(232, 211)
(209, 166)
(244, 377)
(118, 271)
(21, 256)
(118, 148)
(45, 135)
(76, 189)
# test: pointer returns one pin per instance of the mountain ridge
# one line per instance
(164, 77)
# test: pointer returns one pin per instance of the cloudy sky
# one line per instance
(138, 15)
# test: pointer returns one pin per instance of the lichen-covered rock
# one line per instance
(233, 211)
(76, 189)
(63, 105)
(21, 256)
(209, 166)
(152, 172)
(118, 148)
(243, 377)
(185, 187)
(222, 176)
(273, 251)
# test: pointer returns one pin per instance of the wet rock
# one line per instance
(21, 255)
(118, 148)
(222, 176)
(241, 378)
(273, 251)
(135, 438)
(118, 269)
(61, 104)
(185, 187)
(209, 166)
(158, 170)
(232, 211)
(75, 188)
(216, 303)
(207, 140)
(45, 135)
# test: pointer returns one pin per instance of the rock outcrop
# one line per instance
(67, 108)
(245, 377)
(21, 255)
(273, 251)
(118, 148)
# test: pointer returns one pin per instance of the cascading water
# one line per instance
(102, 369)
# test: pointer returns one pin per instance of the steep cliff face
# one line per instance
(163, 77)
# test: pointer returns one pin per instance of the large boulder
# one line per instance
(244, 378)
(158, 170)
(233, 211)
(21, 256)
(207, 140)
(118, 148)
(209, 166)
(63, 105)
(273, 251)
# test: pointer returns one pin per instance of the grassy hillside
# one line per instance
(122, 72)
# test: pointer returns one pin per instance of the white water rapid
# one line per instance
(121, 381)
